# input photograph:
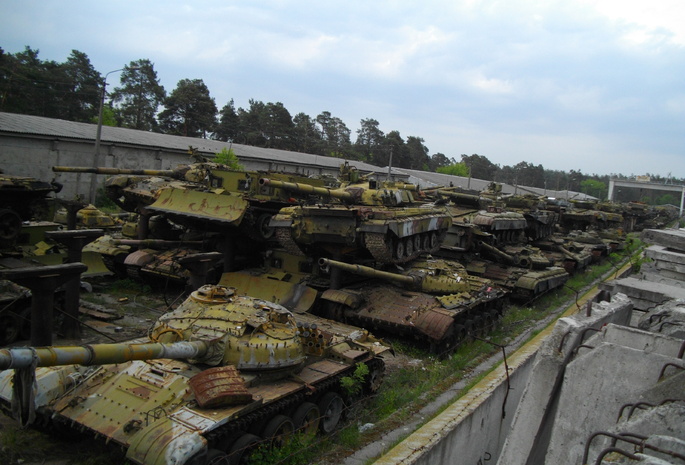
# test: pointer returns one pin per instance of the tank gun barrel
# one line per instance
(369, 272)
(99, 354)
(509, 259)
(157, 243)
(115, 171)
(306, 189)
(469, 199)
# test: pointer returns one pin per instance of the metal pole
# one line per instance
(96, 158)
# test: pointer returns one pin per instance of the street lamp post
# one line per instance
(96, 158)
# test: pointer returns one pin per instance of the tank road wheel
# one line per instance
(241, 449)
(418, 243)
(278, 429)
(459, 334)
(331, 406)
(216, 457)
(399, 249)
(408, 246)
(434, 244)
(263, 229)
(306, 419)
(10, 324)
(426, 242)
(10, 225)
(375, 377)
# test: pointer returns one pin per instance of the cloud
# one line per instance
(545, 81)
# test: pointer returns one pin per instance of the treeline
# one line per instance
(73, 90)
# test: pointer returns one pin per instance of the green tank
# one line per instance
(207, 194)
(23, 199)
(540, 222)
(378, 220)
(217, 377)
(433, 301)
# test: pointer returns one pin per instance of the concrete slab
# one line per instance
(649, 273)
(671, 238)
(667, 262)
(638, 339)
(644, 294)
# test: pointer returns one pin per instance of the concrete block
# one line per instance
(596, 384)
(661, 424)
(527, 438)
(667, 319)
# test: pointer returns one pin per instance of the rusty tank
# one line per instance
(217, 377)
(379, 220)
(433, 301)
(156, 262)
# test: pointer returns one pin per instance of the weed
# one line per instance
(352, 385)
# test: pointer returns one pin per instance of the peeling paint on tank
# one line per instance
(184, 446)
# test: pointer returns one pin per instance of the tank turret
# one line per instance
(218, 376)
(308, 189)
(435, 302)
(433, 280)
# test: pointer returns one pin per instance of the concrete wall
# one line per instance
(473, 429)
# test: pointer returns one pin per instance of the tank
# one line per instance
(572, 256)
(523, 284)
(89, 217)
(217, 376)
(540, 222)
(23, 199)
(206, 194)
(28, 197)
(155, 262)
(379, 220)
(435, 302)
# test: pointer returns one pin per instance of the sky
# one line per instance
(590, 85)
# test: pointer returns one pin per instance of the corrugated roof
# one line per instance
(428, 179)
(50, 127)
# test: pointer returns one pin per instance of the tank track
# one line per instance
(245, 423)
(375, 243)
(285, 239)
(383, 252)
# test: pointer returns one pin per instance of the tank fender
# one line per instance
(348, 298)
(139, 258)
(166, 442)
(435, 324)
